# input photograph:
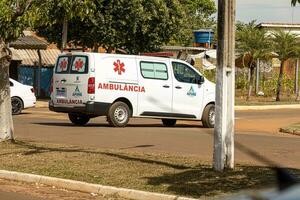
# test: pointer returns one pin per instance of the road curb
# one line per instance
(267, 107)
(87, 187)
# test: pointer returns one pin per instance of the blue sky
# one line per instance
(267, 11)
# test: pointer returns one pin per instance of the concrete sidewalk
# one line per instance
(44, 104)
(87, 187)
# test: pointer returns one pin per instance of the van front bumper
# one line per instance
(90, 108)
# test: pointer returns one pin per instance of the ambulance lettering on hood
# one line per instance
(121, 87)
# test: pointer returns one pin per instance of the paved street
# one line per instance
(257, 130)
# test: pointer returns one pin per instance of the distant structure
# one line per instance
(203, 38)
(270, 27)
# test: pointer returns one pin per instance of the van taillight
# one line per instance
(51, 86)
(91, 85)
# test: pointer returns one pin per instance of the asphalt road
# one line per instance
(257, 130)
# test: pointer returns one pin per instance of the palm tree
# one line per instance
(286, 46)
(252, 44)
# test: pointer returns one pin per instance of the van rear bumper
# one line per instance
(90, 108)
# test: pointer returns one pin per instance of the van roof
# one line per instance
(118, 55)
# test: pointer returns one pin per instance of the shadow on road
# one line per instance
(107, 125)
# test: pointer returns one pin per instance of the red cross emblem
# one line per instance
(63, 64)
(119, 67)
(78, 64)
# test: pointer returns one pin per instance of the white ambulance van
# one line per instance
(87, 85)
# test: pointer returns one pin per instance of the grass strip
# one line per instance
(169, 174)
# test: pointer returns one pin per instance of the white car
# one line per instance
(22, 96)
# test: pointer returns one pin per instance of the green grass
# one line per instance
(259, 101)
(184, 176)
(292, 129)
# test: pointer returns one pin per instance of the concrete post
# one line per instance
(224, 123)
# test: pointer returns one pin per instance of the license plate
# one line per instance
(61, 92)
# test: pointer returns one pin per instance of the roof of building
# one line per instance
(29, 56)
(178, 48)
(278, 25)
(28, 42)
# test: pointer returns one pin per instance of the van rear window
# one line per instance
(62, 64)
(72, 64)
(79, 64)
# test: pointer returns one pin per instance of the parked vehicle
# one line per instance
(22, 96)
(87, 85)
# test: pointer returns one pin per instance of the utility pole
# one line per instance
(225, 91)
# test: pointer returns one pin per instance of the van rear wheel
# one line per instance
(208, 118)
(169, 122)
(79, 119)
(118, 114)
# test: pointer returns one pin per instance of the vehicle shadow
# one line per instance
(107, 125)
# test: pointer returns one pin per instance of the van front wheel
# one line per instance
(208, 118)
(118, 114)
(79, 119)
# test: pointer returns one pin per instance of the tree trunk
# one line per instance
(251, 79)
(280, 81)
(6, 122)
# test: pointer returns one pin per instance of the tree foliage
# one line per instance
(14, 18)
(136, 25)
(252, 44)
(286, 46)
(198, 14)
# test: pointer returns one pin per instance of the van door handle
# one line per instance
(178, 87)
(166, 86)
(63, 80)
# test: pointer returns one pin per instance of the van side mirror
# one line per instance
(200, 81)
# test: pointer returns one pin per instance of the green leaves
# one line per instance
(14, 18)
(252, 43)
(135, 25)
(286, 45)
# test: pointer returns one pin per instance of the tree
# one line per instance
(54, 16)
(198, 14)
(136, 26)
(14, 18)
(286, 46)
(252, 44)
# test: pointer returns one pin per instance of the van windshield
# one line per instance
(72, 65)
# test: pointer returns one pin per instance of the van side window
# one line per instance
(79, 65)
(183, 73)
(62, 65)
(154, 70)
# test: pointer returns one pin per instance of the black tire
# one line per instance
(79, 119)
(169, 122)
(118, 114)
(16, 105)
(208, 118)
